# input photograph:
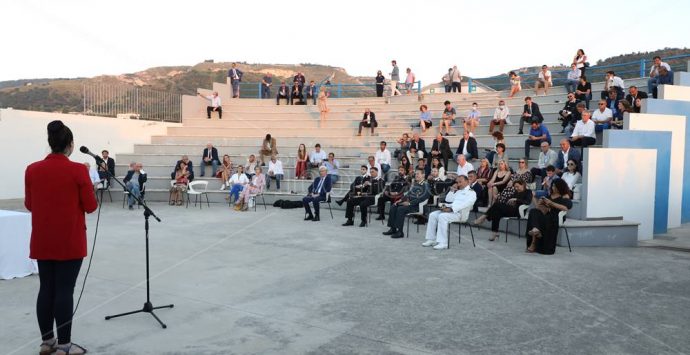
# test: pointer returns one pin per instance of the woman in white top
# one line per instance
(515, 85)
(237, 183)
(436, 163)
(571, 176)
(579, 60)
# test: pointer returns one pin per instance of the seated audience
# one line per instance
(499, 181)
(424, 118)
(623, 107)
(383, 158)
(542, 223)
(571, 176)
(224, 171)
(665, 77)
(255, 187)
(612, 103)
(459, 202)
(418, 192)
(546, 183)
(468, 147)
(567, 114)
(577, 116)
(546, 157)
(472, 120)
(500, 117)
(602, 117)
(250, 167)
(210, 157)
(584, 91)
(109, 167)
(332, 165)
(311, 92)
(418, 144)
(190, 168)
(436, 164)
(584, 134)
(447, 118)
(566, 153)
(317, 157)
(296, 93)
(93, 175)
(364, 198)
(269, 147)
(301, 162)
(497, 138)
(275, 172)
(543, 81)
(509, 201)
(572, 79)
(283, 93)
(180, 186)
(613, 82)
(538, 133)
(501, 155)
(371, 163)
(515, 84)
(405, 164)
(478, 189)
(404, 143)
(368, 121)
(317, 192)
(423, 166)
(393, 191)
(135, 180)
(237, 183)
(441, 149)
(464, 166)
(483, 172)
(356, 185)
(654, 72)
(530, 112)
(634, 97)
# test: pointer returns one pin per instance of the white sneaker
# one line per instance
(440, 247)
(222, 187)
(429, 243)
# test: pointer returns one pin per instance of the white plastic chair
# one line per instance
(198, 189)
(561, 224)
(419, 213)
(523, 213)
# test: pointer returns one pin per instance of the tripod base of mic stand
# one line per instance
(148, 308)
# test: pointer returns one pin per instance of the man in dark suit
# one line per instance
(566, 153)
(190, 168)
(311, 92)
(300, 80)
(210, 157)
(418, 144)
(318, 191)
(441, 149)
(368, 121)
(357, 186)
(467, 147)
(110, 166)
(235, 77)
(393, 192)
(530, 112)
(365, 198)
(134, 180)
(296, 93)
(418, 192)
(283, 93)
(478, 189)
(633, 95)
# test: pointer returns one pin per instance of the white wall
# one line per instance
(676, 125)
(674, 92)
(24, 139)
(616, 186)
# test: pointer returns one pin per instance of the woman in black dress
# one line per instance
(507, 206)
(379, 84)
(542, 223)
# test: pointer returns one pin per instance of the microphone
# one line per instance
(86, 151)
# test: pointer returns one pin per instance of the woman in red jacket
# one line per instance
(58, 236)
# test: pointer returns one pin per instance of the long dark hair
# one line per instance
(562, 188)
(59, 136)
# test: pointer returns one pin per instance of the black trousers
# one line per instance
(583, 142)
(367, 125)
(396, 216)
(456, 86)
(531, 143)
(379, 90)
(209, 109)
(381, 206)
(315, 201)
(363, 202)
(54, 303)
(287, 99)
(497, 211)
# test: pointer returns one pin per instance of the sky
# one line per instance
(79, 38)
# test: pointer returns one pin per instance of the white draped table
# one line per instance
(15, 234)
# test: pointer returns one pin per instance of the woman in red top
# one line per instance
(58, 236)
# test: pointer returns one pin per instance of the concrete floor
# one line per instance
(269, 283)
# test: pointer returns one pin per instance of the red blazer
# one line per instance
(58, 192)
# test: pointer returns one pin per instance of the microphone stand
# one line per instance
(148, 306)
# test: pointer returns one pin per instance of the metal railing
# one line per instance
(634, 69)
(132, 102)
(337, 90)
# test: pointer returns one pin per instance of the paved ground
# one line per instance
(268, 283)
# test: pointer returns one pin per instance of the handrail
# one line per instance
(640, 70)
(337, 90)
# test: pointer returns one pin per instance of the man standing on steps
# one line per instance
(266, 84)
(456, 79)
(395, 78)
(235, 77)
(215, 105)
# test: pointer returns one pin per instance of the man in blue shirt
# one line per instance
(538, 133)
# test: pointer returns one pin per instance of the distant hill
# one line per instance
(500, 82)
(65, 95)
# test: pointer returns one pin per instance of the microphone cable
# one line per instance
(93, 248)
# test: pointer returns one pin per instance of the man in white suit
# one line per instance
(459, 202)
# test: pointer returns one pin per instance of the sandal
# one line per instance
(179, 203)
(73, 349)
(48, 347)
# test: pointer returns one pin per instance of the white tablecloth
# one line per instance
(15, 234)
